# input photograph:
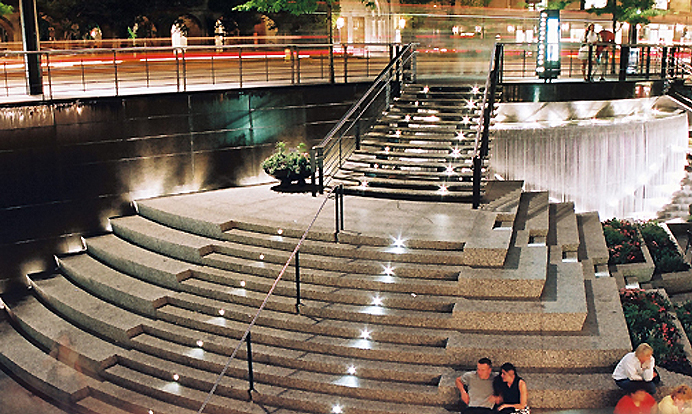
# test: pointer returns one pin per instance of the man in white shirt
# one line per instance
(476, 388)
(637, 368)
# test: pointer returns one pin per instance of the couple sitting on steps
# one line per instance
(485, 393)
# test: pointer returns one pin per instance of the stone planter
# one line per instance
(642, 272)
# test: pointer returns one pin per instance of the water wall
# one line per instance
(622, 158)
(65, 167)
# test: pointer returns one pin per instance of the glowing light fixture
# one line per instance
(365, 334)
(377, 301)
(388, 270)
(222, 312)
(261, 256)
(280, 231)
(242, 283)
(351, 370)
(398, 242)
(200, 343)
(176, 377)
(337, 409)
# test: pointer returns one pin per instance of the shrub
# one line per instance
(663, 251)
(649, 319)
(294, 162)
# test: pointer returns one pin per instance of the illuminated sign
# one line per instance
(548, 56)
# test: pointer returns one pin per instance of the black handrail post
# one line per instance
(664, 61)
(589, 72)
(624, 62)
(336, 210)
(341, 192)
(298, 282)
(357, 127)
(297, 53)
(345, 46)
(477, 162)
(320, 165)
(250, 374)
(313, 171)
(648, 61)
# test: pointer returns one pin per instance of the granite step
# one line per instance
(450, 183)
(203, 365)
(404, 162)
(462, 136)
(445, 154)
(200, 249)
(49, 331)
(232, 393)
(394, 169)
(169, 272)
(357, 347)
(88, 312)
(178, 216)
(177, 395)
(38, 370)
(464, 146)
(160, 333)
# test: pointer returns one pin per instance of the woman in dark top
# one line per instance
(510, 390)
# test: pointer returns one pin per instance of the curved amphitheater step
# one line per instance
(153, 310)
(421, 148)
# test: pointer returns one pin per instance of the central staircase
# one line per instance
(412, 294)
(421, 148)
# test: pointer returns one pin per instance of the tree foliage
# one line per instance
(631, 11)
(5, 9)
(79, 16)
(294, 7)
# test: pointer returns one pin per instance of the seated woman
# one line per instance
(510, 391)
(637, 367)
(678, 402)
(637, 401)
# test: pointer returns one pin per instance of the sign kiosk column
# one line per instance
(548, 56)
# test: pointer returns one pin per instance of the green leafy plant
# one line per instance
(288, 165)
(622, 239)
(684, 313)
(663, 251)
(650, 319)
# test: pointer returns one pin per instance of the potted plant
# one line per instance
(288, 165)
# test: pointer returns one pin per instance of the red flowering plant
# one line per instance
(649, 319)
(623, 241)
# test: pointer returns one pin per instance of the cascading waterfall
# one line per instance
(621, 158)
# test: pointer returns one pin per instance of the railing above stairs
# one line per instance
(330, 154)
(483, 135)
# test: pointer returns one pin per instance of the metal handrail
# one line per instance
(247, 334)
(481, 144)
(344, 138)
(87, 72)
(605, 59)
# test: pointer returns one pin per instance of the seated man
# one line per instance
(476, 388)
(637, 368)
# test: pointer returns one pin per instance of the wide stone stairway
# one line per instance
(420, 148)
(392, 309)
(412, 294)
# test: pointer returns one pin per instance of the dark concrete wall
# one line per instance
(65, 167)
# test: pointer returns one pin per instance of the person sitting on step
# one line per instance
(511, 393)
(476, 388)
(637, 401)
(678, 402)
(637, 367)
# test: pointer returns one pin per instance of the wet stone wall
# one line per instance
(65, 167)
